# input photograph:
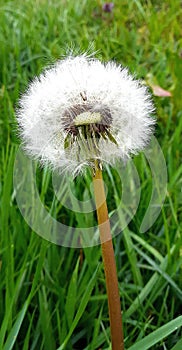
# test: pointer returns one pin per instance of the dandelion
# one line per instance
(82, 113)
(82, 110)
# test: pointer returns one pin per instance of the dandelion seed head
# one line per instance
(80, 110)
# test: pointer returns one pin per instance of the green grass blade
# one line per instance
(26, 345)
(132, 257)
(4, 325)
(147, 288)
(147, 246)
(16, 327)
(45, 320)
(81, 309)
(162, 272)
(178, 346)
(71, 296)
(158, 335)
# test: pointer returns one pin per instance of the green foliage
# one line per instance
(53, 297)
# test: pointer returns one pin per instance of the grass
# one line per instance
(53, 297)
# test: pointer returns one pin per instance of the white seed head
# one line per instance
(81, 110)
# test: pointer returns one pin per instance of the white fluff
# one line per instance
(41, 115)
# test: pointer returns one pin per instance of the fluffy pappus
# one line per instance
(81, 110)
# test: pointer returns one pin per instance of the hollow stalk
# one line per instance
(109, 262)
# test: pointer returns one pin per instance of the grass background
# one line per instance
(53, 297)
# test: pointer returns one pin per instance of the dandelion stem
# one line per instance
(109, 262)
